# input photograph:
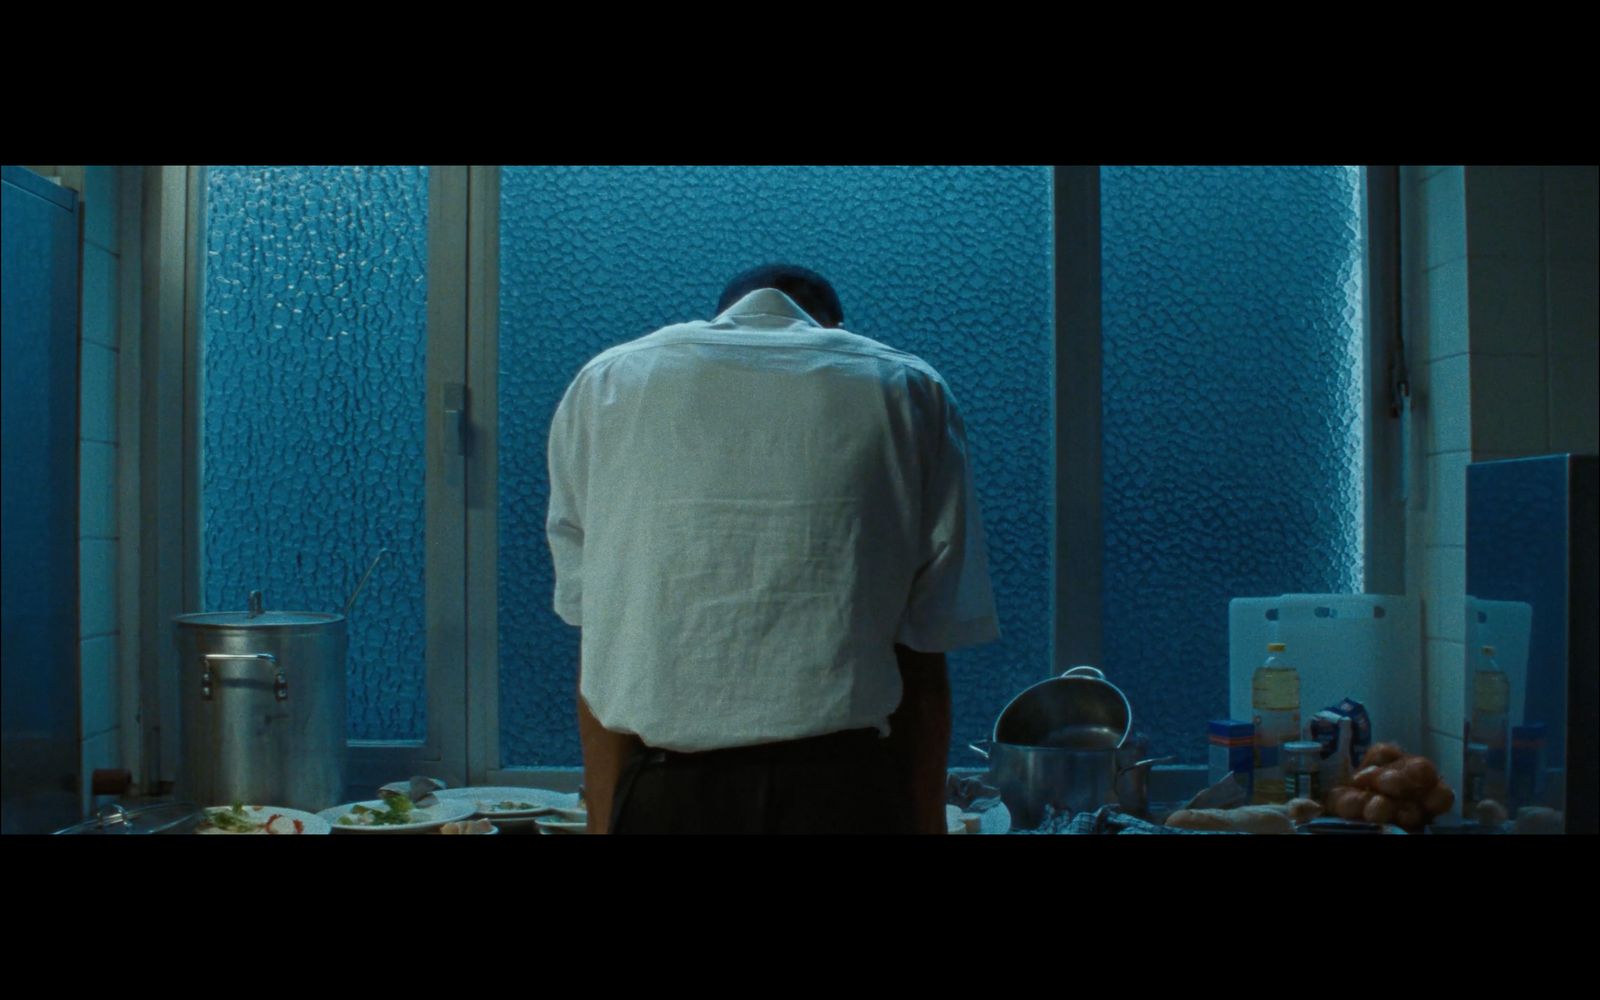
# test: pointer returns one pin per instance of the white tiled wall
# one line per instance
(1499, 264)
(1436, 274)
(99, 444)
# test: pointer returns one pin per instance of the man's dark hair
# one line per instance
(810, 290)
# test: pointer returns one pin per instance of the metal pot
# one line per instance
(1080, 710)
(262, 705)
(1069, 781)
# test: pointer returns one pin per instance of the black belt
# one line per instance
(843, 741)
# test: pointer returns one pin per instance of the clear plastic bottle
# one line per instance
(1275, 703)
(1491, 707)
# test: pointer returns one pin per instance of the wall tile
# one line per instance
(1448, 414)
(1445, 592)
(1447, 478)
(1575, 404)
(1444, 224)
(1447, 309)
(102, 692)
(1445, 685)
(97, 490)
(98, 403)
(1571, 208)
(100, 206)
(1506, 305)
(97, 568)
(1505, 215)
(1509, 405)
(100, 284)
(1573, 306)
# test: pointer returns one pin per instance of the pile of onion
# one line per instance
(1393, 787)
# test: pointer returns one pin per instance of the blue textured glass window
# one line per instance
(1232, 416)
(312, 400)
(952, 264)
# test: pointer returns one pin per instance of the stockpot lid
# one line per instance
(1079, 710)
(266, 619)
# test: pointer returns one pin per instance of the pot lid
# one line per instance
(266, 619)
(1079, 710)
(259, 617)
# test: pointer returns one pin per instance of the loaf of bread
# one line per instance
(1246, 819)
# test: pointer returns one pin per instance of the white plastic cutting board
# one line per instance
(1362, 646)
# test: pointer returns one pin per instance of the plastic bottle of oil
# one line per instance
(1275, 703)
(1491, 707)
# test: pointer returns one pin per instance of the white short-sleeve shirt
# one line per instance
(747, 514)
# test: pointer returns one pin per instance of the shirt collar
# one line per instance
(765, 302)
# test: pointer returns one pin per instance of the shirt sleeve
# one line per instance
(951, 603)
(564, 526)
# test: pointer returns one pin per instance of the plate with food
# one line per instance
(394, 814)
(499, 803)
(262, 820)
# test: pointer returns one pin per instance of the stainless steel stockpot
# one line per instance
(1068, 781)
(262, 707)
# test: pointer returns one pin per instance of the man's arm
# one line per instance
(605, 754)
(919, 733)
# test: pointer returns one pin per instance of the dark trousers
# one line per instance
(841, 783)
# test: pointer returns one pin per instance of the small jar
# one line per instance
(1302, 770)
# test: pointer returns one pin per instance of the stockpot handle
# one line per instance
(1085, 671)
(979, 750)
(280, 683)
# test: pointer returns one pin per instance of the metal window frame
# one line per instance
(1385, 392)
(1078, 549)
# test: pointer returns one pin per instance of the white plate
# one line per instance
(428, 818)
(557, 823)
(487, 800)
(282, 821)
